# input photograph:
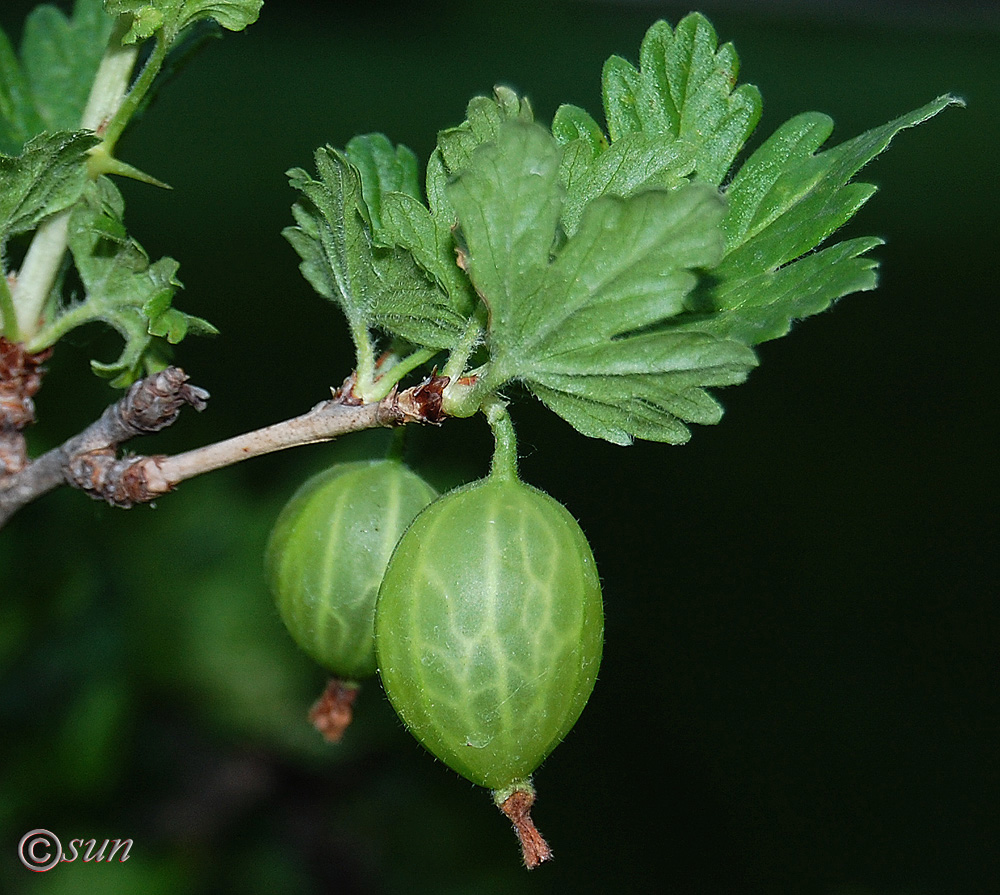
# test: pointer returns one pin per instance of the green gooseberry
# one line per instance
(328, 552)
(489, 631)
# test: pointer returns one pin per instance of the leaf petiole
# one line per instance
(461, 353)
(48, 246)
(8, 313)
(384, 383)
(128, 103)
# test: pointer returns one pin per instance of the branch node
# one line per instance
(121, 483)
(421, 403)
(20, 379)
(154, 403)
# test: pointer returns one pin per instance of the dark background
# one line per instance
(799, 686)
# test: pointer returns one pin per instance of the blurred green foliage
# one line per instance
(801, 699)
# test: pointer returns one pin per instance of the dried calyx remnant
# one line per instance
(333, 712)
(20, 379)
(517, 807)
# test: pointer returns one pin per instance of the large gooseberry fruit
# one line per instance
(489, 630)
(328, 552)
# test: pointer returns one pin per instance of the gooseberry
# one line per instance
(489, 631)
(325, 561)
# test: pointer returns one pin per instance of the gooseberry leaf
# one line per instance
(48, 88)
(375, 286)
(785, 201)
(483, 118)
(634, 163)
(122, 288)
(683, 90)
(19, 119)
(570, 319)
(399, 216)
(173, 16)
(48, 176)
(408, 223)
(384, 168)
(571, 123)
(676, 118)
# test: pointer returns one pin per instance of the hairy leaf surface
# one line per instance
(683, 90)
(785, 202)
(48, 176)
(569, 319)
(374, 286)
(48, 87)
(122, 288)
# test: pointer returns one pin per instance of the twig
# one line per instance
(89, 460)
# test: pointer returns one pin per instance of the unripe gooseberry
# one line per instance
(489, 631)
(328, 552)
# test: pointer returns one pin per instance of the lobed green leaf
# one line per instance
(173, 16)
(375, 286)
(48, 176)
(683, 90)
(630, 165)
(122, 288)
(484, 117)
(569, 318)
(428, 238)
(508, 200)
(784, 202)
(384, 168)
(676, 118)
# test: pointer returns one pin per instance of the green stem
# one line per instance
(384, 383)
(460, 354)
(43, 260)
(37, 276)
(504, 465)
(397, 444)
(407, 365)
(70, 319)
(129, 103)
(364, 350)
(108, 93)
(8, 313)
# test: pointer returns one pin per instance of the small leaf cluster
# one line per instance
(54, 167)
(616, 272)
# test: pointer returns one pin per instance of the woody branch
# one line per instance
(89, 461)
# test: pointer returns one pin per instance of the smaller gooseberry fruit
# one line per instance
(324, 562)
